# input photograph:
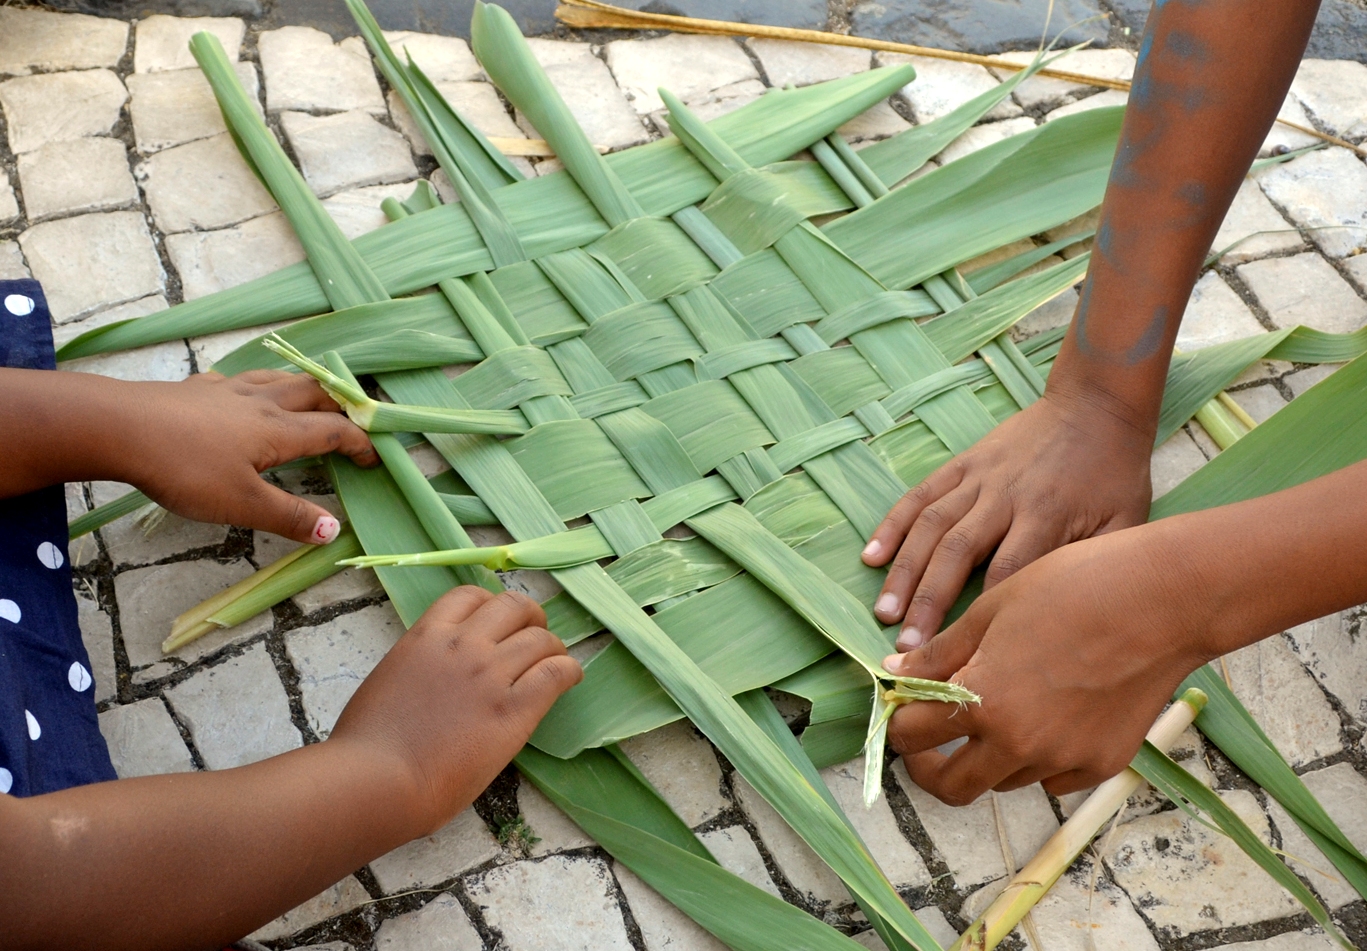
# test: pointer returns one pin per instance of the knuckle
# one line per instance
(1005, 565)
(925, 597)
(957, 542)
(935, 516)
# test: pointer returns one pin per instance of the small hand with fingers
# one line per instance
(1074, 656)
(1049, 475)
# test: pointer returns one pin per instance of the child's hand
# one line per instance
(1074, 657)
(1049, 475)
(458, 696)
(197, 446)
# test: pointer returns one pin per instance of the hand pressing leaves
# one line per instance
(201, 444)
(1049, 475)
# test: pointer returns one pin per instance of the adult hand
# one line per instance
(1074, 657)
(197, 447)
(1056, 472)
(458, 696)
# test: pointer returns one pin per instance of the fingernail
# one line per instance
(893, 663)
(873, 549)
(887, 605)
(325, 530)
(910, 639)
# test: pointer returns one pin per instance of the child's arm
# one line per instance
(1076, 654)
(1211, 76)
(196, 447)
(197, 860)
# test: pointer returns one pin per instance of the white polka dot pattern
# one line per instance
(19, 305)
(50, 555)
(34, 730)
(6, 780)
(9, 611)
(78, 677)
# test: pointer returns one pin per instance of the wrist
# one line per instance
(1106, 411)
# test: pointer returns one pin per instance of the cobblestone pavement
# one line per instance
(120, 190)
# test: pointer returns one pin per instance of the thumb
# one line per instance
(272, 509)
(946, 653)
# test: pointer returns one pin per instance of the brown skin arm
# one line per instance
(1076, 655)
(196, 447)
(1211, 76)
(197, 860)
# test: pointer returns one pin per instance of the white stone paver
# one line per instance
(1324, 192)
(93, 261)
(553, 904)
(1283, 698)
(1249, 216)
(1282, 136)
(440, 925)
(334, 900)
(942, 85)
(1082, 914)
(663, 927)
(12, 267)
(442, 59)
(689, 66)
(801, 64)
(795, 859)
(735, 851)
(1305, 289)
(1343, 793)
(1177, 458)
(347, 150)
(97, 634)
(595, 101)
(879, 122)
(876, 825)
(165, 362)
(682, 767)
(202, 185)
(1291, 941)
(9, 204)
(143, 740)
(59, 107)
(1335, 653)
(37, 39)
(478, 104)
(557, 831)
(305, 70)
(1043, 90)
(931, 917)
(209, 261)
(162, 42)
(967, 836)
(1102, 100)
(1185, 876)
(1336, 92)
(358, 211)
(334, 657)
(176, 107)
(65, 178)
(1215, 314)
(209, 350)
(713, 103)
(456, 847)
(236, 711)
(981, 136)
(1302, 380)
(1260, 402)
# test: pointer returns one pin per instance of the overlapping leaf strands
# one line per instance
(662, 337)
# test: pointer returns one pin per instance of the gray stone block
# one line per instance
(151, 598)
(143, 740)
(93, 261)
(209, 261)
(682, 767)
(334, 657)
(440, 925)
(172, 108)
(332, 901)
(237, 711)
(66, 178)
(554, 904)
(163, 42)
(305, 70)
(456, 847)
(980, 26)
(1304, 289)
(347, 150)
(42, 40)
(59, 107)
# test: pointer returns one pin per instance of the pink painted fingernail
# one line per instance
(910, 639)
(873, 549)
(893, 663)
(325, 530)
(886, 605)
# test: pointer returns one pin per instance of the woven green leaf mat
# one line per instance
(697, 374)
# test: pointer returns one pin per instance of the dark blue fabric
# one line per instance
(49, 735)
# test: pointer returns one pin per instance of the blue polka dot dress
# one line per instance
(49, 735)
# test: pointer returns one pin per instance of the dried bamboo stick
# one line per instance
(1038, 876)
(592, 14)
